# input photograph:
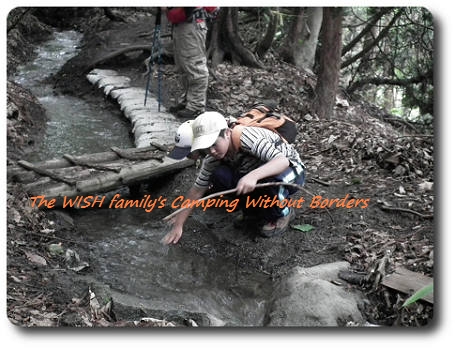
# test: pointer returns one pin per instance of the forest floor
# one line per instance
(362, 152)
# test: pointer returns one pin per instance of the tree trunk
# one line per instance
(300, 46)
(264, 45)
(225, 41)
(364, 63)
(329, 62)
(214, 47)
(384, 32)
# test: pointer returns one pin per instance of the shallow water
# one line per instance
(126, 253)
(125, 249)
(74, 126)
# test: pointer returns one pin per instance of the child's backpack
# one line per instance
(264, 116)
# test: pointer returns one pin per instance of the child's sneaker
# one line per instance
(278, 227)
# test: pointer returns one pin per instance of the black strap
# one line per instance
(189, 12)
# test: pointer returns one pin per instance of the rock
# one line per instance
(342, 102)
(307, 298)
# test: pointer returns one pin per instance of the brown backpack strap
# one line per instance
(257, 110)
(235, 136)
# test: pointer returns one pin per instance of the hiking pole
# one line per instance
(155, 45)
(160, 76)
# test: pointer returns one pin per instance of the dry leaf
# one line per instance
(426, 186)
(39, 260)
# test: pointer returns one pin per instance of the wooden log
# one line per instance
(21, 175)
(144, 155)
(63, 162)
(18, 171)
(94, 158)
(45, 172)
(76, 173)
(29, 177)
(37, 184)
(105, 182)
(78, 162)
(408, 282)
(161, 147)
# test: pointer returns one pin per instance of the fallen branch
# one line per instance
(379, 270)
(423, 216)
(416, 136)
(45, 172)
(226, 192)
(159, 146)
(141, 155)
(81, 163)
(320, 182)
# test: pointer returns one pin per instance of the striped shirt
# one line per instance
(258, 146)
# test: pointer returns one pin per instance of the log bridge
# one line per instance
(87, 174)
(96, 173)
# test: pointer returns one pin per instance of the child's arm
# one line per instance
(272, 168)
(174, 235)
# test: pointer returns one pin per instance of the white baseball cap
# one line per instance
(183, 140)
(206, 128)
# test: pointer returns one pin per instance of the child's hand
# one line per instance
(246, 184)
(173, 236)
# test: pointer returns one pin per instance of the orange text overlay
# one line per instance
(149, 203)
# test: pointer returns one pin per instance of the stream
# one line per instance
(125, 250)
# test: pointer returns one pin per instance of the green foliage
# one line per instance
(397, 51)
(397, 112)
(390, 61)
(303, 228)
(356, 181)
(428, 289)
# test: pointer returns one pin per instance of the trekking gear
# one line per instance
(156, 50)
(264, 116)
(177, 15)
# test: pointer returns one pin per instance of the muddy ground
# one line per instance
(362, 152)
